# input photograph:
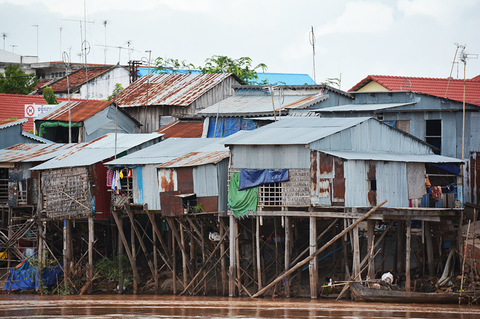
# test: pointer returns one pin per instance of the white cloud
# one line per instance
(72, 8)
(438, 9)
(360, 17)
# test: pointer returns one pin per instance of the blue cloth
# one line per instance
(25, 277)
(226, 126)
(254, 178)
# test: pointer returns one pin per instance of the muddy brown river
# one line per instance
(129, 306)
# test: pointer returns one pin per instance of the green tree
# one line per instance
(241, 67)
(118, 88)
(49, 95)
(16, 81)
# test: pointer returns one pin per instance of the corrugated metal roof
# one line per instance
(31, 152)
(97, 150)
(295, 130)
(11, 122)
(184, 129)
(79, 111)
(245, 105)
(390, 157)
(197, 159)
(164, 151)
(362, 107)
(168, 89)
(36, 138)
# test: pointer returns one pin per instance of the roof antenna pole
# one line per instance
(453, 63)
(312, 42)
(148, 82)
(66, 61)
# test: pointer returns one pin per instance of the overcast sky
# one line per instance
(353, 38)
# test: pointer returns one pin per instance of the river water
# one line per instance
(129, 306)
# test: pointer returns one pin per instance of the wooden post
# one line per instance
(345, 263)
(313, 270)
(400, 247)
(429, 244)
(223, 261)
(67, 253)
(120, 254)
(356, 254)
(184, 257)
(288, 251)
(174, 261)
(237, 260)
(407, 257)
(370, 247)
(90, 252)
(231, 269)
(312, 256)
(155, 258)
(259, 257)
(134, 256)
(203, 257)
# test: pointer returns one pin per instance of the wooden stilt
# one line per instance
(140, 239)
(429, 244)
(203, 257)
(134, 256)
(231, 269)
(237, 260)
(346, 271)
(370, 248)
(155, 259)
(223, 261)
(174, 260)
(288, 251)
(259, 257)
(313, 270)
(400, 246)
(90, 252)
(159, 235)
(312, 256)
(407, 257)
(120, 253)
(184, 258)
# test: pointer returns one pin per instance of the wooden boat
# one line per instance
(361, 293)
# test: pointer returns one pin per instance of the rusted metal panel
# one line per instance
(103, 198)
(171, 205)
(197, 158)
(184, 129)
(338, 184)
(185, 180)
(326, 165)
(474, 177)
(324, 188)
(167, 180)
(79, 111)
(210, 203)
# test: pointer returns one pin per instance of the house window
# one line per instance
(433, 134)
(270, 194)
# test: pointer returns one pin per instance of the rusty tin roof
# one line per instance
(168, 89)
(80, 111)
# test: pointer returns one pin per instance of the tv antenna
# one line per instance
(464, 56)
(128, 43)
(105, 22)
(312, 42)
(66, 62)
(4, 36)
(453, 63)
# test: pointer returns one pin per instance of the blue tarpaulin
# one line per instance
(226, 126)
(452, 168)
(25, 277)
(254, 178)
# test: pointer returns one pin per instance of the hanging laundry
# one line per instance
(129, 173)
(109, 177)
(121, 174)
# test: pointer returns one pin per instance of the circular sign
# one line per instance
(30, 110)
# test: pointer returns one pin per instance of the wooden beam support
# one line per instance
(125, 243)
(313, 269)
(407, 257)
(231, 269)
(328, 244)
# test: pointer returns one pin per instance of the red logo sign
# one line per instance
(29, 110)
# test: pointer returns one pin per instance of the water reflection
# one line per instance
(114, 306)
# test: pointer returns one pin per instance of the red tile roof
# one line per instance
(185, 129)
(13, 106)
(431, 86)
(75, 79)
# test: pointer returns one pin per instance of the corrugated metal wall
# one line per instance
(273, 157)
(205, 180)
(150, 186)
(391, 183)
(371, 136)
(222, 171)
